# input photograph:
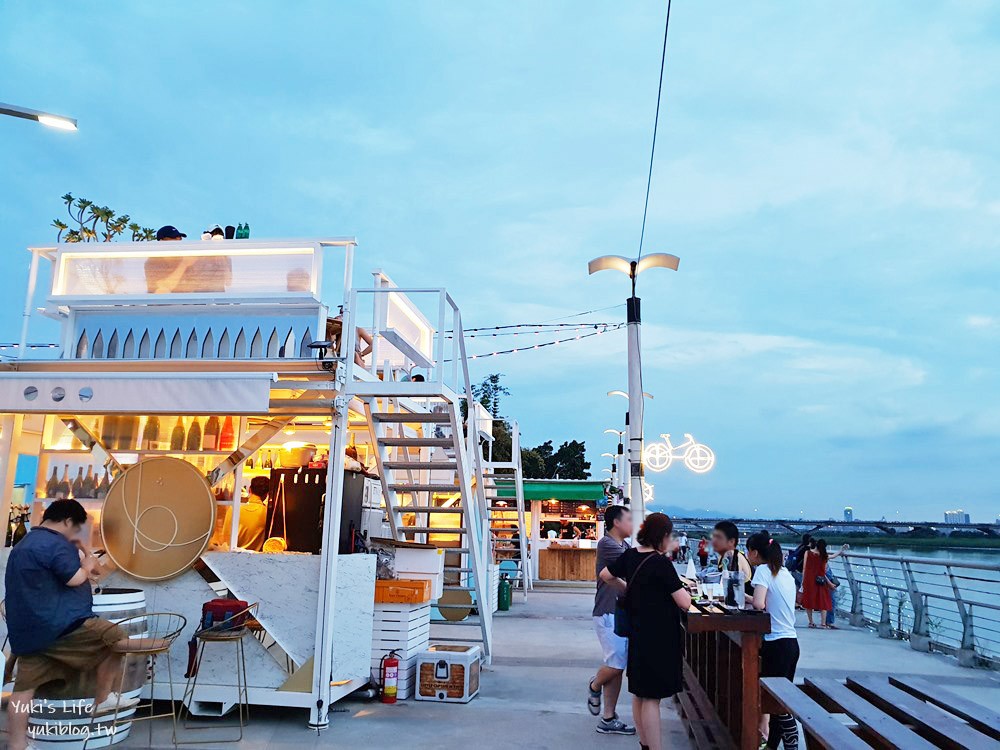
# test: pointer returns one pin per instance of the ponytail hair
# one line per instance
(768, 549)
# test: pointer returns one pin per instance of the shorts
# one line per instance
(614, 647)
(79, 651)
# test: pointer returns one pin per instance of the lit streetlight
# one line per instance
(632, 268)
(45, 118)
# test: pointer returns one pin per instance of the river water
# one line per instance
(945, 625)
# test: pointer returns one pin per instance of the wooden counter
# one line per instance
(567, 564)
(722, 673)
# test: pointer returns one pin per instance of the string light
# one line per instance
(29, 346)
(608, 327)
(526, 329)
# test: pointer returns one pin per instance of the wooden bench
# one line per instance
(883, 715)
(928, 720)
(873, 724)
(822, 729)
(984, 719)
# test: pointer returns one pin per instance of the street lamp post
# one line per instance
(632, 268)
(45, 118)
(620, 459)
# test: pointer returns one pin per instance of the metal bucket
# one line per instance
(60, 715)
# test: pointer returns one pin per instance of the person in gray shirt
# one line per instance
(607, 683)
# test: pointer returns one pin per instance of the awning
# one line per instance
(577, 490)
(138, 393)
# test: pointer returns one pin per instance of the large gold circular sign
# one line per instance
(158, 518)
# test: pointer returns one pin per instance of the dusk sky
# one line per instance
(828, 173)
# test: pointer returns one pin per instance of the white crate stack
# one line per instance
(406, 629)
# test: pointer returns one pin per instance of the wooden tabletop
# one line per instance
(701, 619)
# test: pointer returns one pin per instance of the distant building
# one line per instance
(848, 513)
(956, 516)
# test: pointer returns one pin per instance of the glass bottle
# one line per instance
(246, 231)
(52, 486)
(109, 431)
(128, 433)
(227, 438)
(104, 486)
(194, 435)
(210, 440)
(64, 488)
(20, 531)
(78, 483)
(90, 483)
(177, 436)
(239, 231)
(151, 434)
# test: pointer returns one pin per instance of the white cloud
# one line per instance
(981, 322)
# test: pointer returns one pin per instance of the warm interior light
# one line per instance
(53, 121)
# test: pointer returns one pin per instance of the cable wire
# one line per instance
(656, 123)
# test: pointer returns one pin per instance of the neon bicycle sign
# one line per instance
(697, 457)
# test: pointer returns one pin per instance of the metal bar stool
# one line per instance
(153, 635)
(231, 630)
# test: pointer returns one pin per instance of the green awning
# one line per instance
(580, 490)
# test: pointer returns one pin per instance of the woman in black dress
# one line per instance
(655, 598)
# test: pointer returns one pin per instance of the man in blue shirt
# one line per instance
(50, 619)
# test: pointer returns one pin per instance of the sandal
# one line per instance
(812, 625)
(593, 699)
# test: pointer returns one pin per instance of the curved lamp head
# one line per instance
(625, 395)
(632, 268)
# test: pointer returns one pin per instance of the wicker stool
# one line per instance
(157, 633)
(231, 630)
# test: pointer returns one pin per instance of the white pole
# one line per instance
(28, 302)
(635, 406)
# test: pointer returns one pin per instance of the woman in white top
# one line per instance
(774, 592)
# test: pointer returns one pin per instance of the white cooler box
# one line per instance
(422, 565)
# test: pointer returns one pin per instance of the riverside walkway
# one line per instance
(533, 695)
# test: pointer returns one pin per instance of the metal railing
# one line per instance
(951, 606)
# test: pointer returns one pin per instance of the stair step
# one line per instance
(431, 530)
(502, 508)
(416, 442)
(418, 465)
(425, 487)
(456, 587)
(457, 569)
(423, 417)
(433, 509)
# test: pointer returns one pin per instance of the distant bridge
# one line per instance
(803, 526)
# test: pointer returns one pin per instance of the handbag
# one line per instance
(624, 626)
(821, 580)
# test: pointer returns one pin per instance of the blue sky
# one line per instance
(828, 173)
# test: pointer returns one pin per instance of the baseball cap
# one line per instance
(168, 233)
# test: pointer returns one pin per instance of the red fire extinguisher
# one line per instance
(389, 672)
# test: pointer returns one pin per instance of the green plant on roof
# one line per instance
(97, 223)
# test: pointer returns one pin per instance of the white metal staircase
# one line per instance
(503, 482)
(427, 473)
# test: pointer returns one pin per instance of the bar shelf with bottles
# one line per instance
(66, 469)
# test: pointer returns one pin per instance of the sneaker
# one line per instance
(593, 698)
(614, 726)
(113, 702)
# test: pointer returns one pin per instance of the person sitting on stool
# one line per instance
(50, 617)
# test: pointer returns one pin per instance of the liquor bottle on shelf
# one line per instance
(78, 483)
(52, 486)
(10, 530)
(109, 431)
(151, 434)
(64, 488)
(276, 461)
(248, 464)
(194, 435)
(177, 436)
(20, 530)
(210, 439)
(104, 486)
(90, 483)
(265, 462)
(128, 429)
(227, 437)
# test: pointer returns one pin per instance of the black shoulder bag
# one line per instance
(624, 627)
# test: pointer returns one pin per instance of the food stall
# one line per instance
(557, 507)
(220, 361)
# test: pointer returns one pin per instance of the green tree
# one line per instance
(489, 392)
(97, 223)
(532, 464)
